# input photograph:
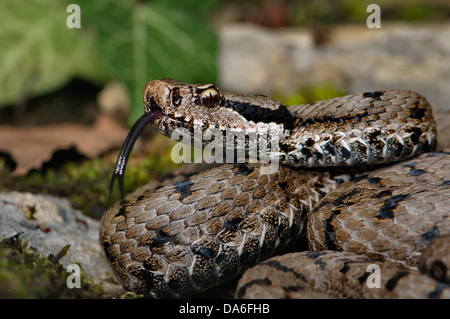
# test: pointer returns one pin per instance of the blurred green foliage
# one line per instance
(133, 41)
(38, 53)
(142, 41)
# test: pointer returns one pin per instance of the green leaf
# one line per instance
(146, 40)
(39, 53)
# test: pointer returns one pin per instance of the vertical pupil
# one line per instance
(207, 99)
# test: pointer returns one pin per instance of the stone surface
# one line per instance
(357, 59)
(51, 223)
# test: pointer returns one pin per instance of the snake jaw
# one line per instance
(127, 147)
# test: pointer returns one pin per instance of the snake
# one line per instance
(360, 191)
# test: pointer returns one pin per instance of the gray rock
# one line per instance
(51, 223)
(357, 59)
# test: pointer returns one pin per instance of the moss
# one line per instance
(131, 295)
(25, 273)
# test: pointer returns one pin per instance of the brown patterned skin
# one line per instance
(397, 217)
(186, 237)
(377, 127)
(332, 274)
(435, 259)
(390, 213)
(183, 238)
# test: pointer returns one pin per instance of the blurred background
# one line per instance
(69, 95)
(270, 46)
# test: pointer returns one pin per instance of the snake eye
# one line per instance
(175, 96)
(210, 98)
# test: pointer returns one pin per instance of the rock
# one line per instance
(113, 99)
(357, 59)
(51, 223)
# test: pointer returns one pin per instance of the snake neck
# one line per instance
(375, 128)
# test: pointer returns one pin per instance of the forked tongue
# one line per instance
(127, 147)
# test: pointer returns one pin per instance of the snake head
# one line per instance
(183, 105)
(205, 108)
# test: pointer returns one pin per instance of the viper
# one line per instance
(359, 179)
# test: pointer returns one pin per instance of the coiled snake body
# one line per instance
(183, 238)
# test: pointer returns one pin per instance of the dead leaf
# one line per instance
(30, 147)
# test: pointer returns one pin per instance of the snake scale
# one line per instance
(359, 179)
